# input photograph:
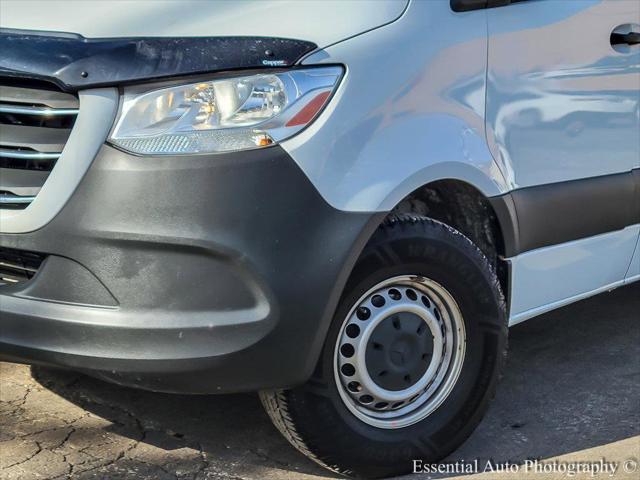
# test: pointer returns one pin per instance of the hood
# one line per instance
(322, 22)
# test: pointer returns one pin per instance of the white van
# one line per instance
(342, 205)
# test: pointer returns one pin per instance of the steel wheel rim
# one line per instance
(407, 300)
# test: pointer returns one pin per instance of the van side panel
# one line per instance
(562, 103)
(551, 277)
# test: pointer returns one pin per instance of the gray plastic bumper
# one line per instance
(191, 274)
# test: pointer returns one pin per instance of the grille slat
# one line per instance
(37, 111)
(24, 159)
(10, 200)
(35, 125)
(22, 182)
(17, 266)
(32, 96)
(38, 138)
(28, 155)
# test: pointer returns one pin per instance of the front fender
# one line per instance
(383, 136)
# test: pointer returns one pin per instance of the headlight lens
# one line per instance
(222, 115)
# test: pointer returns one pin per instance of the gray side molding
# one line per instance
(98, 109)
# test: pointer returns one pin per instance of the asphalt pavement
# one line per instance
(571, 394)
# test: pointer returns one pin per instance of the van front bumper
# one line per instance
(200, 274)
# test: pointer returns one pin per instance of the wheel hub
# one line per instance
(399, 351)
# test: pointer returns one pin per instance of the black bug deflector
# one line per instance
(75, 62)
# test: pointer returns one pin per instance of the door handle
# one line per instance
(631, 38)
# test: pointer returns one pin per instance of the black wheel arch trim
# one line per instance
(469, 5)
(74, 62)
(551, 214)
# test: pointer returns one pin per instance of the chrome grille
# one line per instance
(35, 124)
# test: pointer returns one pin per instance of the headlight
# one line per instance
(234, 113)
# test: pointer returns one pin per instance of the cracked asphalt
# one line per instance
(571, 391)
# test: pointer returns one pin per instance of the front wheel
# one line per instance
(411, 360)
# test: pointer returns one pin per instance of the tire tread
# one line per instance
(277, 403)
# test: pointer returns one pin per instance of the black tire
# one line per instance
(314, 418)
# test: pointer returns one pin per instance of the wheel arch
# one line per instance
(488, 221)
